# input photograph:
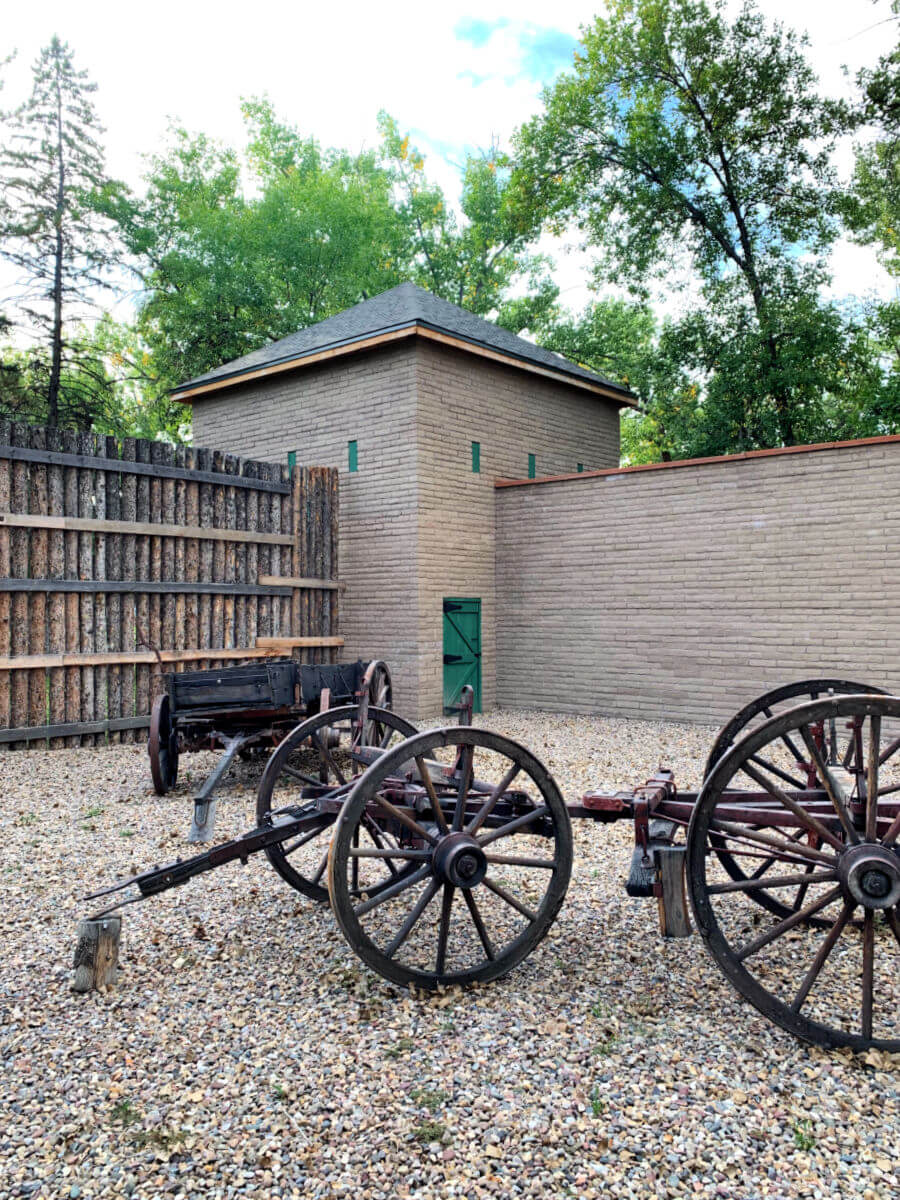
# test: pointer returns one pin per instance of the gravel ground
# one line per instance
(245, 1052)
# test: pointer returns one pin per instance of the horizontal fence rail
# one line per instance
(122, 560)
(157, 470)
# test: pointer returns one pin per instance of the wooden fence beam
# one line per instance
(131, 467)
(295, 581)
(154, 586)
(26, 662)
(151, 529)
(39, 733)
(287, 644)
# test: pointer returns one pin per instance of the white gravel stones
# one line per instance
(246, 1052)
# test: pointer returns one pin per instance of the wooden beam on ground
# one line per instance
(35, 733)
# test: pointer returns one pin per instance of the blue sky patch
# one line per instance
(478, 32)
(543, 50)
(546, 52)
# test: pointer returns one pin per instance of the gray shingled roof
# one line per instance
(399, 308)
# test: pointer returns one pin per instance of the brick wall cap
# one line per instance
(714, 460)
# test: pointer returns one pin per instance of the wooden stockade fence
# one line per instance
(122, 560)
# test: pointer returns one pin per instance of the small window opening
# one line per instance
(580, 468)
(476, 457)
(532, 466)
(292, 459)
(352, 456)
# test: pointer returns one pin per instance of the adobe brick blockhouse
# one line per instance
(422, 406)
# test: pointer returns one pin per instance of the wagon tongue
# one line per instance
(161, 879)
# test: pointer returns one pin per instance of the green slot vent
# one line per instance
(352, 456)
(292, 459)
(532, 466)
(580, 468)
(476, 457)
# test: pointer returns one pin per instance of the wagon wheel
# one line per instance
(381, 695)
(757, 712)
(162, 746)
(470, 909)
(829, 970)
(305, 767)
(766, 706)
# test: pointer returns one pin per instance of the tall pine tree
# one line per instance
(51, 172)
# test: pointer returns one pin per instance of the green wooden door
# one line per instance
(462, 650)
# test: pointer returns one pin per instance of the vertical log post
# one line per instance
(19, 566)
(5, 598)
(56, 609)
(72, 602)
(38, 568)
(86, 508)
(113, 600)
(128, 634)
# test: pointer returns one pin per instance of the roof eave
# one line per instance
(187, 392)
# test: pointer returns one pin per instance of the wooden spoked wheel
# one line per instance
(481, 865)
(381, 695)
(308, 770)
(840, 745)
(162, 747)
(828, 968)
(779, 700)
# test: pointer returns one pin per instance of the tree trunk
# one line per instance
(56, 294)
(780, 395)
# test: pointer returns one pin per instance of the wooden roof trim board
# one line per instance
(811, 448)
(414, 330)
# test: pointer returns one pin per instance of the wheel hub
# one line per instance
(870, 875)
(459, 860)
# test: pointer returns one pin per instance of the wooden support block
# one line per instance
(96, 954)
(671, 894)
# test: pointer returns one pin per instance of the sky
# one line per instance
(456, 75)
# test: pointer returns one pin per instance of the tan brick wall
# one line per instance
(511, 413)
(316, 412)
(681, 593)
(416, 523)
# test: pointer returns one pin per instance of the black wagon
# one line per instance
(246, 708)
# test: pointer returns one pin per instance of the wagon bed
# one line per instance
(245, 708)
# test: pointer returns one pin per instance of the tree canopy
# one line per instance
(689, 147)
(684, 138)
(229, 263)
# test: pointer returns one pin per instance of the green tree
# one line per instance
(684, 138)
(225, 272)
(872, 206)
(52, 172)
(481, 259)
(235, 251)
